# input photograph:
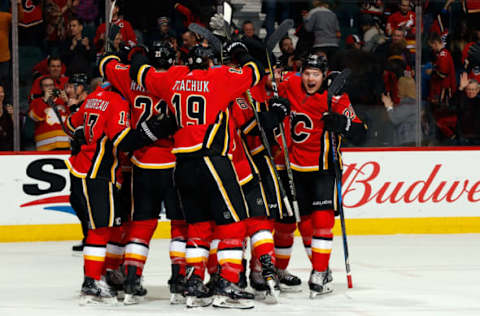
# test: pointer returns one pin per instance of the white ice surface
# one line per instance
(392, 275)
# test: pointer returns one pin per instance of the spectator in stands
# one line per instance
(189, 40)
(55, 73)
(467, 103)
(162, 32)
(443, 82)
(41, 68)
(404, 115)
(78, 53)
(6, 123)
(126, 29)
(472, 9)
(373, 35)
(5, 25)
(395, 45)
(324, 24)
(86, 11)
(57, 16)
(353, 41)
(286, 60)
(248, 30)
(442, 86)
(49, 134)
(403, 19)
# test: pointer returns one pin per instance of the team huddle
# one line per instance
(203, 139)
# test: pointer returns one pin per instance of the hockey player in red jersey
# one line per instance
(104, 117)
(204, 174)
(152, 179)
(311, 158)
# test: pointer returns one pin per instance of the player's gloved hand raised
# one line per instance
(157, 127)
(280, 107)
(78, 140)
(337, 123)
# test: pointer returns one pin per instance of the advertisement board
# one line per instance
(429, 190)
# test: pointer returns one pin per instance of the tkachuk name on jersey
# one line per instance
(191, 85)
(97, 104)
(136, 87)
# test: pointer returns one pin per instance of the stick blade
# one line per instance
(279, 33)
(205, 33)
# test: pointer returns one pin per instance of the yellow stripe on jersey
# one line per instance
(141, 71)
(73, 171)
(215, 175)
(256, 72)
(35, 117)
(111, 204)
(104, 60)
(249, 127)
(144, 165)
(227, 138)
(98, 159)
(214, 131)
(69, 125)
(116, 142)
(89, 209)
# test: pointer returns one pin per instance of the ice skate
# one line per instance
(197, 294)
(177, 286)
(320, 283)
(229, 295)
(212, 282)
(134, 291)
(271, 280)
(96, 292)
(289, 283)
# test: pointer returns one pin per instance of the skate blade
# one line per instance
(290, 288)
(95, 300)
(192, 301)
(221, 301)
(327, 289)
(131, 299)
(177, 299)
(272, 298)
(121, 295)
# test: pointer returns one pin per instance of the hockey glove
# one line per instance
(78, 140)
(217, 24)
(280, 107)
(157, 127)
(138, 60)
(337, 123)
(238, 52)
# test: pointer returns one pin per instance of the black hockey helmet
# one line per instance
(316, 61)
(162, 55)
(199, 56)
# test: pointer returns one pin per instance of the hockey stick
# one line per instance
(268, 149)
(108, 42)
(334, 89)
(281, 31)
(53, 106)
(203, 32)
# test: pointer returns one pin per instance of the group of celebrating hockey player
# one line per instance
(194, 141)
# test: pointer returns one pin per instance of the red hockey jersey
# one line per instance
(143, 105)
(199, 99)
(104, 115)
(310, 148)
(49, 134)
